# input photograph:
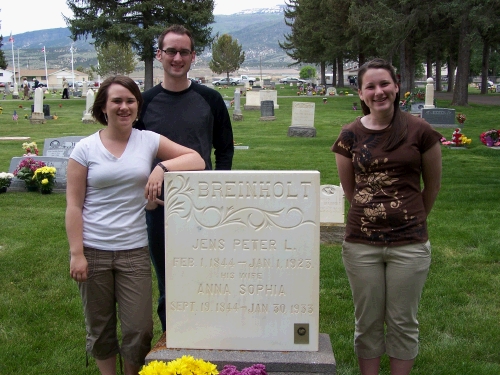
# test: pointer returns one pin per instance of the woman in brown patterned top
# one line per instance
(381, 158)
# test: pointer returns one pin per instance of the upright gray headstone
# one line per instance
(267, 110)
(37, 117)
(89, 102)
(60, 147)
(439, 117)
(85, 88)
(61, 165)
(237, 115)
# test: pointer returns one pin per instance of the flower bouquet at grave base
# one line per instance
(26, 170)
(491, 137)
(185, 365)
(45, 178)
(257, 369)
(410, 98)
(461, 118)
(5, 180)
(30, 148)
(459, 140)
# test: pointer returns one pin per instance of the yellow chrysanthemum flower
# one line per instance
(186, 365)
(45, 181)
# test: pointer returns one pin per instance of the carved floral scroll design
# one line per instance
(179, 201)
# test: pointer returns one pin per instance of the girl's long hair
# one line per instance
(399, 122)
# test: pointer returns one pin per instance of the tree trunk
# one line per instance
(451, 74)
(323, 72)
(340, 70)
(438, 72)
(148, 73)
(429, 65)
(361, 59)
(460, 93)
(407, 68)
(334, 72)
(484, 67)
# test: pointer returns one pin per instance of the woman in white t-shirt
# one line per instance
(109, 182)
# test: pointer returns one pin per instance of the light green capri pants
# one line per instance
(118, 284)
(386, 285)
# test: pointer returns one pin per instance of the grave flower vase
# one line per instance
(31, 187)
(489, 142)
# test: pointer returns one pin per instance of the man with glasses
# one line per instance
(192, 115)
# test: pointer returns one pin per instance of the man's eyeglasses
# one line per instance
(171, 52)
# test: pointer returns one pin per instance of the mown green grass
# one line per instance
(41, 320)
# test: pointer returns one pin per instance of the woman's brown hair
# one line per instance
(102, 96)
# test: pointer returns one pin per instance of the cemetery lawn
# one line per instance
(41, 321)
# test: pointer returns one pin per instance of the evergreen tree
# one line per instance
(307, 72)
(139, 23)
(227, 55)
(3, 62)
(115, 59)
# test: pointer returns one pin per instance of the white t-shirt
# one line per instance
(113, 210)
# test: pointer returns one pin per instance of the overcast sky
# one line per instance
(19, 16)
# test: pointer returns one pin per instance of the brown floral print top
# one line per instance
(387, 208)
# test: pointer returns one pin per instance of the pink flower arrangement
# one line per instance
(257, 369)
(491, 137)
(26, 170)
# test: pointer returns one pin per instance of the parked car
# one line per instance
(224, 81)
(195, 80)
(77, 83)
(287, 80)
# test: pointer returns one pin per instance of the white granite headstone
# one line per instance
(303, 114)
(332, 204)
(38, 100)
(270, 95)
(242, 260)
(37, 116)
(429, 94)
(89, 102)
(252, 100)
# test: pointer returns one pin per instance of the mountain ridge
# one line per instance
(257, 30)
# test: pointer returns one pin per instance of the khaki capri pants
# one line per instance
(118, 284)
(386, 285)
